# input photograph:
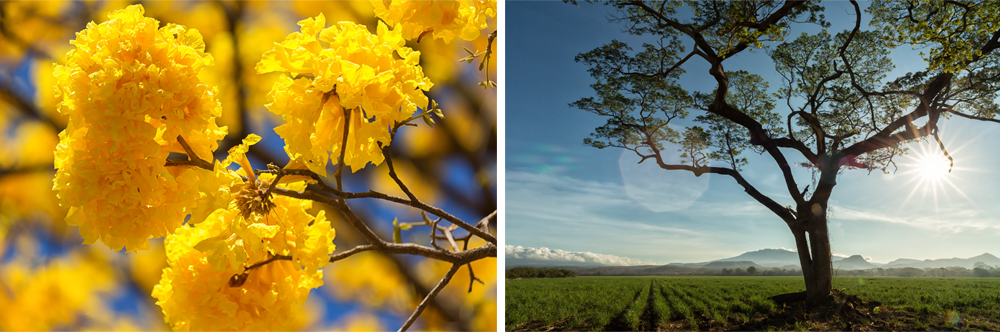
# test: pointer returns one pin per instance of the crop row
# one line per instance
(929, 296)
(569, 302)
(690, 303)
(622, 302)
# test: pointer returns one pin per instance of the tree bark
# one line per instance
(812, 241)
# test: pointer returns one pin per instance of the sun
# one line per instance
(932, 166)
(932, 174)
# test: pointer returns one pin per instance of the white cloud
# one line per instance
(940, 220)
(540, 198)
(557, 255)
(558, 211)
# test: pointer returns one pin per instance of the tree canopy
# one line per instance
(834, 108)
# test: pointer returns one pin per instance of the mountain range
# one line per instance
(789, 260)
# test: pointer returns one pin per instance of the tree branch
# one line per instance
(437, 289)
(309, 194)
(972, 117)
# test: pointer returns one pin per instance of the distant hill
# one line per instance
(767, 257)
(761, 259)
(787, 259)
(855, 262)
(771, 258)
(968, 263)
(733, 265)
(902, 262)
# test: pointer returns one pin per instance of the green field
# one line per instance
(727, 303)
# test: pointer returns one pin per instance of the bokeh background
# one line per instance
(49, 281)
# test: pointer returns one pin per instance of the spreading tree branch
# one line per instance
(440, 285)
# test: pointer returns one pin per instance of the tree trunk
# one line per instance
(812, 241)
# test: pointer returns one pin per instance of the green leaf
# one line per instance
(428, 120)
(397, 234)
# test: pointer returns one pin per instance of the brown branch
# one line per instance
(434, 229)
(193, 158)
(437, 289)
(389, 247)
(661, 74)
(943, 150)
(343, 150)
(266, 261)
(392, 172)
(451, 239)
(351, 252)
(972, 117)
(477, 159)
(472, 275)
(747, 187)
(459, 258)
(485, 222)
(309, 194)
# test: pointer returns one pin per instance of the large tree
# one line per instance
(835, 107)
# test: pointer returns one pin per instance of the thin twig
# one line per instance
(193, 158)
(343, 151)
(485, 234)
(459, 258)
(392, 174)
(265, 262)
(472, 275)
(420, 308)
(484, 223)
(451, 239)
(352, 251)
(434, 228)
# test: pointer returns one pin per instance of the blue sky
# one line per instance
(563, 195)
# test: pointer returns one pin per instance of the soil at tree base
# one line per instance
(840, 312)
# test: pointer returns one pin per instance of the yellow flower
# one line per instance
(207, 263)
(443, 19)
(256, 225)
(50, 296)
(342, 74)
(195, 295)
(315, 243)
(129, 90)
(379, 287)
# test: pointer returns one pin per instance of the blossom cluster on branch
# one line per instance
(243, 249)
(129, 88)
(347, 78)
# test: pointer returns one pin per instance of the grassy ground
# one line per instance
(741, 303)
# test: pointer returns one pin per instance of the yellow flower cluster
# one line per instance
(443, 19)
(210, 262)
(50, 297)
(196, 296)
(344, 76)
(129, 90)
